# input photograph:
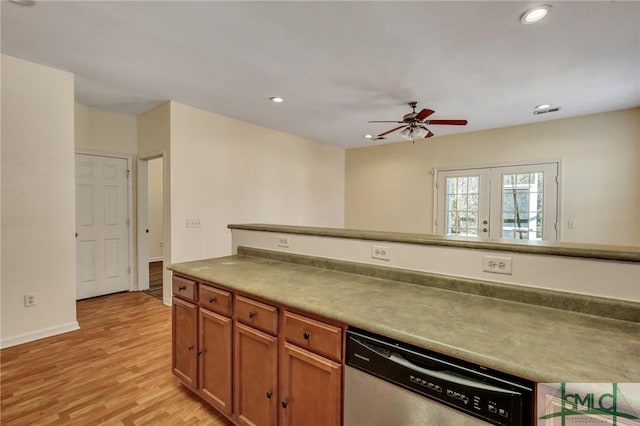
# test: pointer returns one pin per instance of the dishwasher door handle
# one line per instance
(448, 377)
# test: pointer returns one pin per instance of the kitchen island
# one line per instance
(536, 342)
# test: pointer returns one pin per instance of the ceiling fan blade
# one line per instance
(424, 114)
(450, 122)
(392, 130)
(386, 122)
(429, 134)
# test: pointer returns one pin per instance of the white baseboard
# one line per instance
(156, 259)
(38, 334)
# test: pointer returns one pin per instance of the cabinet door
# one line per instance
(256, 376)
(311, 389)
(215, 359)
(184, 336)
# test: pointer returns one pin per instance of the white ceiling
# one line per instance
(338, 64)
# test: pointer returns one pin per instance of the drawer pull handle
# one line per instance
(252, 315)
(269, 395)
(212, 299)
(284, 404)
(306, 335)
(182, 287)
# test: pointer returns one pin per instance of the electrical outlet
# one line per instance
(193, 223)
(283, 241)
(380, 252)
(29, 300)
(497, 265)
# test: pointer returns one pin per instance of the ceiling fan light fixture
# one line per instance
(413, 133)
(535, 14)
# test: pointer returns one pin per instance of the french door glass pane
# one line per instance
(462, 205)
(522, 205)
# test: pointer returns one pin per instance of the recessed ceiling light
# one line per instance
(542, 106)
(368, 136)
(23, 2)
(535, 14)
(276, 100)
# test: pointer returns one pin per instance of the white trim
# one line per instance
(39, 334)
(132, 226)
(143, 250)
(495, 165)
(155, 259)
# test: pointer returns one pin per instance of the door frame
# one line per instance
(132, 225)
(559, 194)
(143, 208)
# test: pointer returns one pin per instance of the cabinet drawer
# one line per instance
(256, 314)
(184, 288)
(318, 337)
(214, 299)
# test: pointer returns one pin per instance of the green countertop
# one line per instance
(539, 343)
(550, 248)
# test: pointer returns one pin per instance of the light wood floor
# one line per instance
(116, 370)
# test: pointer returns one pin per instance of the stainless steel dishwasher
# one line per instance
(392, 383)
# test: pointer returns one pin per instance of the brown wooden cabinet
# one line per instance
(256, 377)
(215, 359)
(311, 388)
(259, 364)
(185, 341)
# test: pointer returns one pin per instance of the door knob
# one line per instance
(269, 395)
(146, 231)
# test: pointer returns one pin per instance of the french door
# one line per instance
(513, 202)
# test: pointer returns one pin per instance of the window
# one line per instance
(512, 202)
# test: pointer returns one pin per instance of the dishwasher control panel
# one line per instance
(497, 398)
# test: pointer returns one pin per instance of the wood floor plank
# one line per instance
(115, 370)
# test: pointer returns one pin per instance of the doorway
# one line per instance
(151, 226)
(517, 202)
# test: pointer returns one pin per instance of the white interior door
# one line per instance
(101, 225)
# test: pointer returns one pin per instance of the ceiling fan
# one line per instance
(414, 124)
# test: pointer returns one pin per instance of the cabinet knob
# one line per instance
(252, 314)
(284, 404)
(306, 335)
(212, 299)
(182, 287)
(199, 353)
(190, 348)
(269, 395)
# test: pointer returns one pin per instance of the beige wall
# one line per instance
(38, 199)
(104, 131)
(225, 171)
(390, 187)
(155, 207)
